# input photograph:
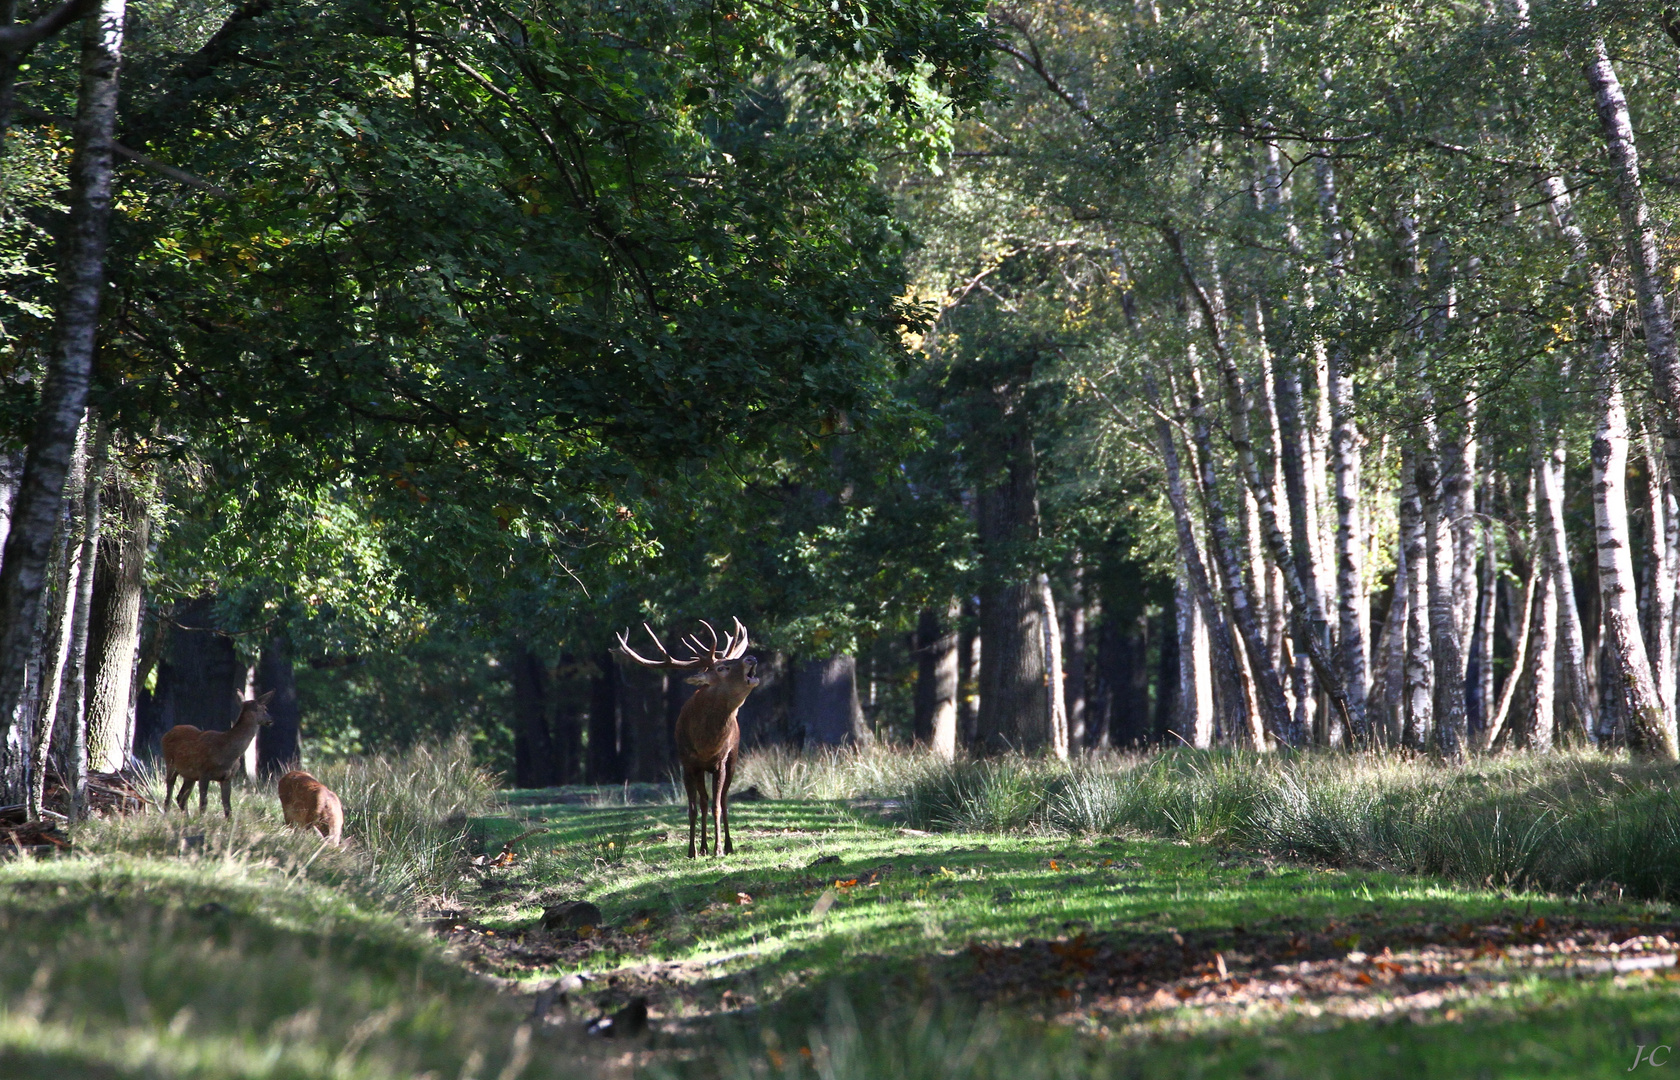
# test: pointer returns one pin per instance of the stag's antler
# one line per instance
(704, 656)
(666, 660)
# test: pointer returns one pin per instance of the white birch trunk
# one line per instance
(1053, 668)
(1647, 729)
(1640, 238)
(1418, 715)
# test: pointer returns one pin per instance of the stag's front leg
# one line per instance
(720, 783)
(227, 799)
(726, 776)
(203, 796)
(694, 797)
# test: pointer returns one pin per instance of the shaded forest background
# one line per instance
(1052, 377)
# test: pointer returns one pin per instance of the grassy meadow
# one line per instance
(884, 915)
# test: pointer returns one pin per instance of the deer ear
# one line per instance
(265, 699)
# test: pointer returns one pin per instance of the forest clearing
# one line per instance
(887, 538)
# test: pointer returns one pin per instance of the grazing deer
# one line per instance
(204, 756)
(708, 736)
(310, 804)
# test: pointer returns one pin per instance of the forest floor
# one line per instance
(833, 932)
(835, 943)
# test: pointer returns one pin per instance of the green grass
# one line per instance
(1009, 919)
(765, 978)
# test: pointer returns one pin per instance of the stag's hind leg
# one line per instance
(169, 788)
(227, 799)
(203, 796)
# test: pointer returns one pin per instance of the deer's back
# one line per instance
(192, 753)
(306, 801)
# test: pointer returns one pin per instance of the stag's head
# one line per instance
(722, 665)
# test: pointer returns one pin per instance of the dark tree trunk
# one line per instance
(207, 680)
(533, 749)
(1166, 679)
(570, 692)
(936, 680)
(114, 629)
(825, 702)
(1014, 709)
(1123, 663)
(968, 675)
(647, 750)
(278, 743)
(605, 765)
(81, 274)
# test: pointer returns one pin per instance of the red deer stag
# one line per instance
(708, 737)
(204, 756)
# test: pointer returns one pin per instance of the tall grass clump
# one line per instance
(1563, 822)
(854, 772)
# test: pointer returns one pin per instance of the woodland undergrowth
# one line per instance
(407, 815)
(1574, 821)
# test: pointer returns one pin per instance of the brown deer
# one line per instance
(309, 804)
(708, 736)
(204, 756)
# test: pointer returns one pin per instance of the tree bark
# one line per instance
(52, 644)
(605, 763)
(64, 393)
(825, 699)
(1274, 709)
(936, 680)
(1014, 711)
(1445, 654)
(1307, 613)
(73, 705)
(1418, 724)
(1077, 681)
(114, 632)
(1636, 690)
(1054, 683)
(1640, 238)
(533, 750)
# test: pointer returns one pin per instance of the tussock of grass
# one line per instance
(1561, 822)
(406, 816)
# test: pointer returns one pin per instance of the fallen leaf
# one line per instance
(743, 898)
(847, 884)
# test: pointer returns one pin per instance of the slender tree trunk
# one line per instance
(114, 633)
(1054, 688)
(1307, 613)
(1201, 589)
(968, 675)
(1640, 237)
(81, 273)
(1636, 690)
(1487, 606)
(73, 704)
(1660, 613)
(52, 645)
(1077, 680)
(1392, 650)
(1445, 655)
(1538, 733)
(1418, 724)
(936, 680)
